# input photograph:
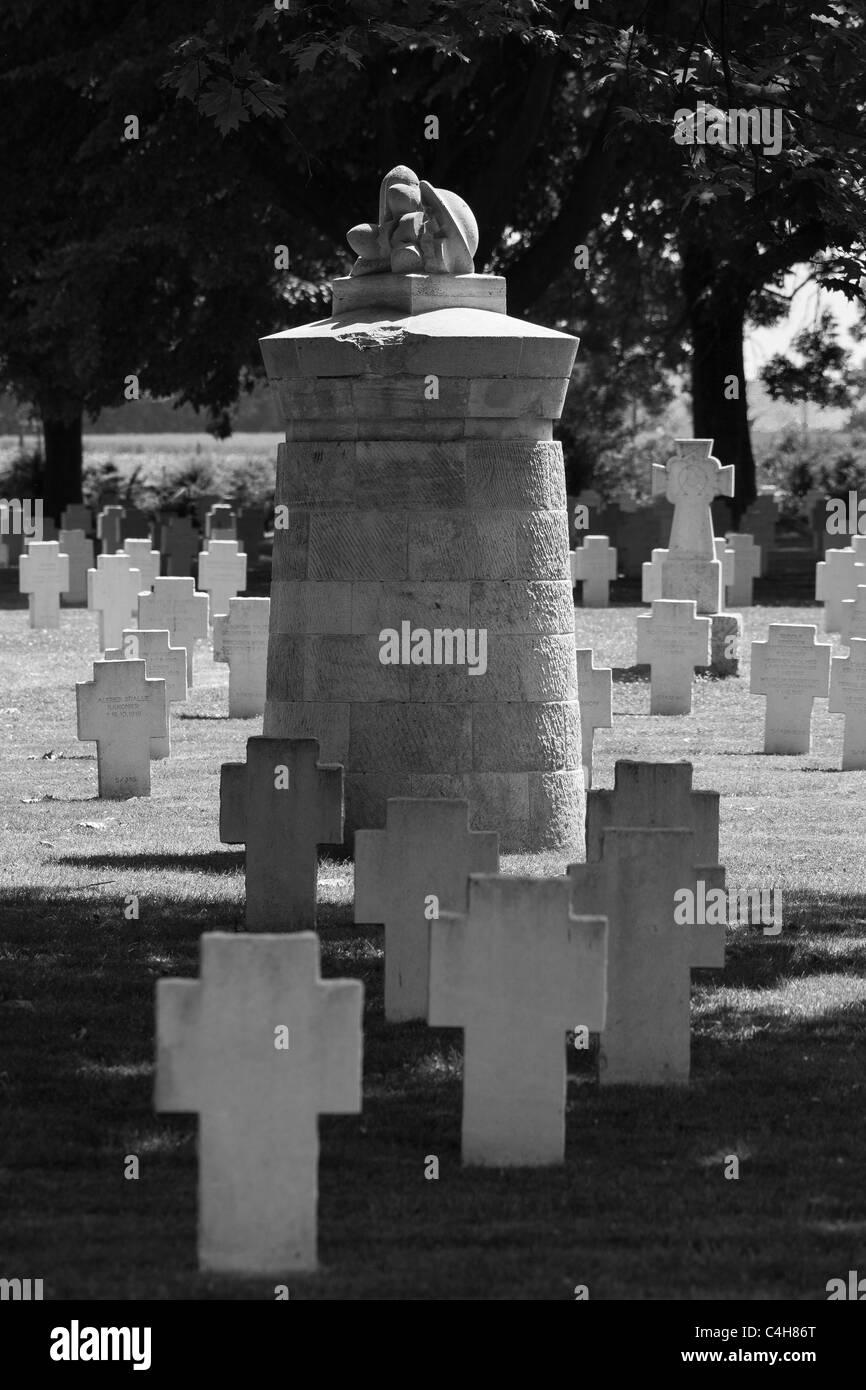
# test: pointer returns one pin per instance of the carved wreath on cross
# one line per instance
(421, 230)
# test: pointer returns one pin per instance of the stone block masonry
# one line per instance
(419, 484)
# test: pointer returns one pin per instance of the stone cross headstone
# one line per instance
(792, 671)
(281, 804)
(202, 505)
(180, 543)
(594, 564)
(258, 1048)
(175, 604)
(672, 641)
(221, 524)
(43, 573)
(690, 480)
(251, 532)
(162, 662)
(747, 568)
(646, 1039)
(651, 576)
(77, 517)
(144, 559)
(79, 548)
(408, 873)
(725, 557)
(121, 710)
(222, 571)
(112, 592)
(108, 529)
(594, 695)
(759, 520)
(848, 697)
(241, 639)
(516, 971)
(654, 796)
(854, 614)
(837, 578)
(134, 525)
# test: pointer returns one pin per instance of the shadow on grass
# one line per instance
(640, 1209)
(216, 860)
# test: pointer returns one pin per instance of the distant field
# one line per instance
(252, 457)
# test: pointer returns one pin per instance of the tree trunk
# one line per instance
(717, 309)
(63, 463)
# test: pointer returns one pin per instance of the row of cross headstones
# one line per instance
(636, 530)
(594, 566)
(260, 1044)
(53, 569)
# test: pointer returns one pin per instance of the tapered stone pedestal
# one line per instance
(423, 487)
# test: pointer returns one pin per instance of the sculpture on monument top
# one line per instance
(421, 230)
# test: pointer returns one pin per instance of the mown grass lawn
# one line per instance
(641, 1209)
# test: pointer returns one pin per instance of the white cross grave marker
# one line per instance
(426, 851)
(516, 971)
(594, 563)
(76, 545)
(690, 480)
(77, 517)
(594, 697)
(848, 697)
(144, 559)
(222, 571)
(176, 605)
(282, 804)
(109, 528)
(792, 670)
(747, 568)
(240, 638)
(725, 557)
(653, 796)
(258, 1102)
(122, 711)
(854, 614)
(43, 573)
(646, 1039)
(836, 579)
(672, 641)
(162, 662)
(112, 591)
(220, 524)
(180, 542)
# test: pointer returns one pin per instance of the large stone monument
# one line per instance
(422, 623)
